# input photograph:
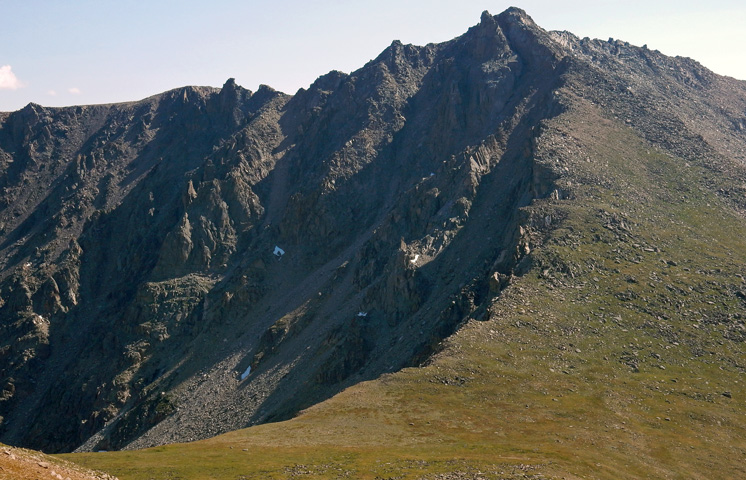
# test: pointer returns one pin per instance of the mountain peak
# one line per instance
(512, 19)
(487, 18)
(511, 13)
(515, 15)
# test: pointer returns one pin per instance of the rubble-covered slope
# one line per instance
(512, 180)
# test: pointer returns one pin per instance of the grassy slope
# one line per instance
(608, 360)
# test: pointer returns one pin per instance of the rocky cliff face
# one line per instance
(142, 296)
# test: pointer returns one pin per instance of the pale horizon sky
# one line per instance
(82, 52)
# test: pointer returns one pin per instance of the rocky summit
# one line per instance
(513, 201)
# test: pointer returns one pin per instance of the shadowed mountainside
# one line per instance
(413, 197)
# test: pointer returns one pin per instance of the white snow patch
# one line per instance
(246, 373)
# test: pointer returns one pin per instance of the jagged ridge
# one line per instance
(143, 233)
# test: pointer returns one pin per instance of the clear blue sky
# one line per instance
(75, 52)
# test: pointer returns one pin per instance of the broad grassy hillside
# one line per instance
(618, 354)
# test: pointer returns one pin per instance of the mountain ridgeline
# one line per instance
(143, 299)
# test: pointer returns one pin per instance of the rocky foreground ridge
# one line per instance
(22, 464)
(143, 296)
